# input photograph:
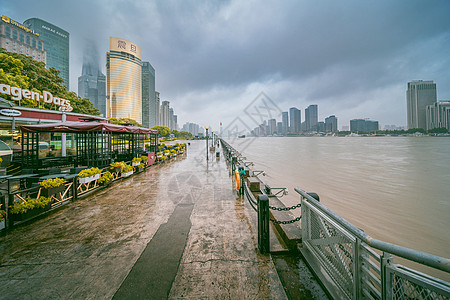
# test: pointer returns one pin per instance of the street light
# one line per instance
(207, 127)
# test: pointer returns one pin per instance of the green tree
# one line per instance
(438, 130)
(414, 130)
(26, 73)
(122, 121)
(163, 130)
(182, 134)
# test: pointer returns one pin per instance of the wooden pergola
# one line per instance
(91, 144)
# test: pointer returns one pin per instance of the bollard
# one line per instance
(314, 195)
(263, 224)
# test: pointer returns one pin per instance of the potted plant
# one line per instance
(118, 166)
(127, 171)
(105, 179)
(136, 161)
(2, 218)
(159, 155)
(140, 167)
(22, 210)
(173, 152)
(88, 175)
(52, 186)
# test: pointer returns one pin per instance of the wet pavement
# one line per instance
(176, 231)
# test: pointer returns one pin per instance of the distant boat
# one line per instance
(241, 136)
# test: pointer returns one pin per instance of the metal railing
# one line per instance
(354, 270)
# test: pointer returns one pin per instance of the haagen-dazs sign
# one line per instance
(18, 93)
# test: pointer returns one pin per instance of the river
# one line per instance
(397, 189)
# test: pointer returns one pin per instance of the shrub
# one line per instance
(2, 214)
(128, 169)
(89, 172)
(107, 176)
(22, 207)
(141, 166)
(119, 164)
(51, 183)
(144, 158)
(136, 160)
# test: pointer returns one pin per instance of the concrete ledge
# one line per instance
(290, 233)
(254, 184)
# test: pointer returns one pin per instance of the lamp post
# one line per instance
(207, 127)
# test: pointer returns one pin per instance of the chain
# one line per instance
(285, 222)
(285, 208)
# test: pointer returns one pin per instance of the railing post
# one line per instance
(263, 224)
(75, 188)
(386, 288)
(356, 269)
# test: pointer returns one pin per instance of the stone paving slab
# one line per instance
(87, 249)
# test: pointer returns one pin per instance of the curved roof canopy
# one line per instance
(71, 126)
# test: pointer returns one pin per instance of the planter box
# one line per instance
(51, 191)
(30, 213)
(127, 174)
(135, 164)
(89, 179)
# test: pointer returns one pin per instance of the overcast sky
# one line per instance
(213, 58)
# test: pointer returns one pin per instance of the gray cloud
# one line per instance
(352, 58)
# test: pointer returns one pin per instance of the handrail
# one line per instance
(427, 259)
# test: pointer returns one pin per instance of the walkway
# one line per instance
(176, 231)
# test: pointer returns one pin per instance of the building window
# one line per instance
(14, 36)
(34, 43)
(40, 45)
(22, 37)
(28, 40)
(8, 31)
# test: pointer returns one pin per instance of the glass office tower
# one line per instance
(56, 43)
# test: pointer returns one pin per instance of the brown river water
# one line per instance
(397, 189)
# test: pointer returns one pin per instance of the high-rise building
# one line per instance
(272, 126)
(157, 108)
(16, 38)
(171, 121)
(295, 119)
(164, 114)
(92, 82)
(331, 124)
(124, 80)
(438, 115)
(363, 125)
(279, 128)
(311, 117)
(284, 122)
(56, 43)
(418, 96)
(175, 122)
(149, 111)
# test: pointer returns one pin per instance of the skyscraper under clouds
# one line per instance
(92, 82)
(149, 111)
(295, 119)
(124, 80)
(311, 118)
(418, 96)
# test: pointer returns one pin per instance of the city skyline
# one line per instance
(358, 69)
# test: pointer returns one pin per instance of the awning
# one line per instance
(71, 126)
